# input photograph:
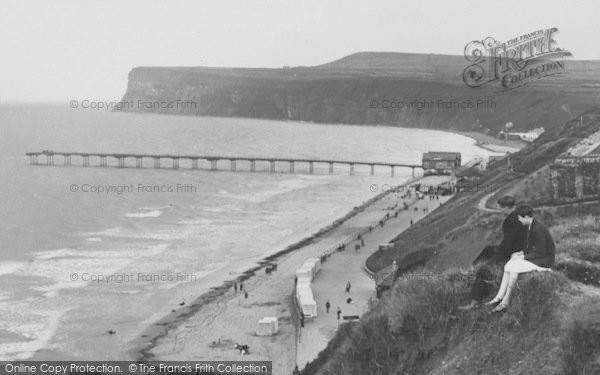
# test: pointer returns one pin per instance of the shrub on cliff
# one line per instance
(418, 329)
(581, 344)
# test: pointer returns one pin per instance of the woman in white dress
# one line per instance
(538, 255)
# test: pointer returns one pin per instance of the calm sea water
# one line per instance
(75, 264)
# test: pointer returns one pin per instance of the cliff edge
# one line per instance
(398, 89)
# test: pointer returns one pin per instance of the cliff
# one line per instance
(354, 90)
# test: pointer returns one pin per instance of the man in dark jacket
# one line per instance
(513, 236)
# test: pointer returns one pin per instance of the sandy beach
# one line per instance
(212, 326)
(494, 144)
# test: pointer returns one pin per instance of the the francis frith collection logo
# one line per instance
(515, 62)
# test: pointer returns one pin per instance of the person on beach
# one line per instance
(513, 239)
(538, 255)
(348, 286)
(245, 294)
(235, 287)
(327, 306)
(338, 312)
(241, 287)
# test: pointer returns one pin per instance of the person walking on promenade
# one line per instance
(348, 286)
(327, 306)
(513, 239)
(245, 294)
(338, 312)
(538, 255)
(241, 287)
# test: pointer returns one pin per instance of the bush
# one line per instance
(535, 298)
(427, 302)
(589, 253)
(582, 272)
(581, 343)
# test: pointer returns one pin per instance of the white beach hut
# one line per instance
(267, 326)
(304, 290)
(303, 281)
(304, 272)
(316, 263)
(308, 306)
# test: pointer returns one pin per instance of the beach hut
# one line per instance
(303, 281)
(304, 272)
(316, 262)
(308, 306)
(267, 326)
(304, 290)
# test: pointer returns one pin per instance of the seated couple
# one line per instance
(526, 244)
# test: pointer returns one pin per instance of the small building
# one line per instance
(267, 326)
(441, 161)
(576, 175)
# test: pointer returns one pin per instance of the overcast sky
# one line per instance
(62, 50)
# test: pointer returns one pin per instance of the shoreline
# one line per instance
(490, 143)
(150, 336)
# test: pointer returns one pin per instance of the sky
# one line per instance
(56, 51)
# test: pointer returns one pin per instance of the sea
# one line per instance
(88, 250)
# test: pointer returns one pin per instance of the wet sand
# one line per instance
(209, 328)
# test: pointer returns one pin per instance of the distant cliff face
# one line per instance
(408, 90)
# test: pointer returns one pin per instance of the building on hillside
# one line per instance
(441, 162)
(576, 173)
(529, 136)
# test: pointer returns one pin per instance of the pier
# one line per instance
(119, 160)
